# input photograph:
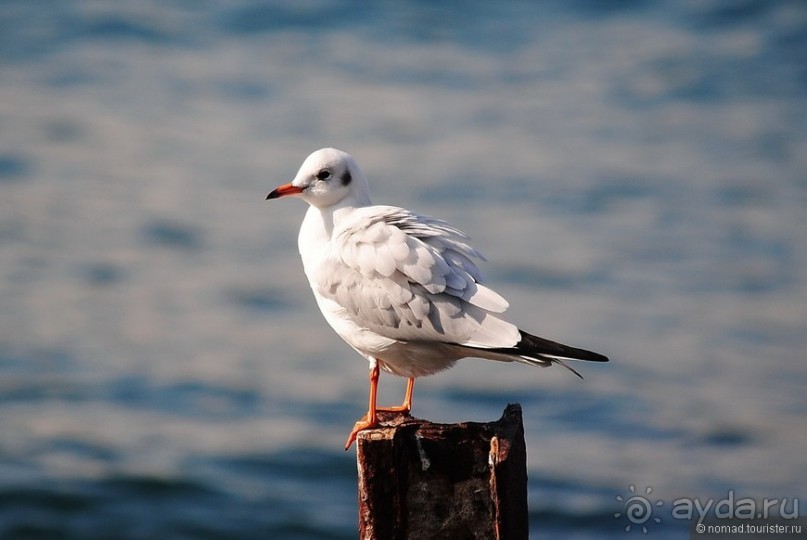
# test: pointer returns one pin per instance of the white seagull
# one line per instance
(401, 288)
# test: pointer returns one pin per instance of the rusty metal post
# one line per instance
(423, 480)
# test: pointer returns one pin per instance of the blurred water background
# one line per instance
(636, 172)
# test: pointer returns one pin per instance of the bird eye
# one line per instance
(324, 174)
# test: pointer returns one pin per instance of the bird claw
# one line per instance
(361, 425)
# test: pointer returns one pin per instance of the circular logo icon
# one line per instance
(638, 509)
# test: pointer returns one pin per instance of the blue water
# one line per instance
(636, 173)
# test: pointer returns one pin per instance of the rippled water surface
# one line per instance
(636, 173)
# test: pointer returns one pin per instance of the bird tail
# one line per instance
(538, 351)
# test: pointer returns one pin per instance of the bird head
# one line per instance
(326, 178)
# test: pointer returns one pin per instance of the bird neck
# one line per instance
(318, 225)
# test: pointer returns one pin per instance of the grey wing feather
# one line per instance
(411, 277)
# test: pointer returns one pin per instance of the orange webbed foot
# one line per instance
(361, 425)
(397, 409)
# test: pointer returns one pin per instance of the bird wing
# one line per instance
(412, 278)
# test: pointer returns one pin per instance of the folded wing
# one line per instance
(410, 277)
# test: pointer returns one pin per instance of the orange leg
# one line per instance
(406, 406)
(371, 418)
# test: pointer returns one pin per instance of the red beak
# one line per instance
(282, 191)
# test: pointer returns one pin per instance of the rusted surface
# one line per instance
(423, 480)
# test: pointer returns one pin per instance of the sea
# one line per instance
(635, 173)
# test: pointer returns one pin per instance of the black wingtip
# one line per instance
(534, 345)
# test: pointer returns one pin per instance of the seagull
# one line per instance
(399, 287)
